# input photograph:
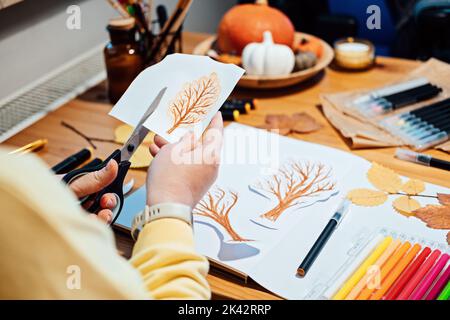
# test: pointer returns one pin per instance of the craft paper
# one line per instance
(197, 86)
(227, 229)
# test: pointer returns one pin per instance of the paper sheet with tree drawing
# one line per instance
(197, 86)
(232, 224)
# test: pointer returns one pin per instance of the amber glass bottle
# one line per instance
(123, 57)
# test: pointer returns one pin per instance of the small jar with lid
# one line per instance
(123, 56)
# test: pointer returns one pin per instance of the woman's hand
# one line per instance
(183, 172)
(94, 182)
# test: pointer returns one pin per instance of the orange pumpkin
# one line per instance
(246, 23)
(311, 44)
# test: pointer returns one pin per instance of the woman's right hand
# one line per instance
(183, 172)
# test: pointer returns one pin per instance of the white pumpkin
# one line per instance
(267, 58)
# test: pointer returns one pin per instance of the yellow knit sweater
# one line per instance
(51, 249)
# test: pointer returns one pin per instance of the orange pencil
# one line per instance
(385, 269)
(377, 265)
(396, 272)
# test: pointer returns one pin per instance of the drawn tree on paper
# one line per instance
(194, 101)
(217, 206)
(293, 182)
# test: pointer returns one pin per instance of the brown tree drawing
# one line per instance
(194, 101)
(217, 206)
(293, 182)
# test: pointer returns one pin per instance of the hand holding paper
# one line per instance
(197, 86)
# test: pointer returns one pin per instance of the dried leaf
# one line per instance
(435, 216)
(405, 205)
(194, 101)
(384, 178)
(141, 158)
(444, 199)
(123, 132)
(413, 187)
(298, 122)
(367, 197)
(304, 123)
(448, 238)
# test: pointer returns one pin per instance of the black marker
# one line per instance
(72, 162)
(421, 158)
(323, 238)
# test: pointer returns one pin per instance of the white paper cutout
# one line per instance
(195, 81)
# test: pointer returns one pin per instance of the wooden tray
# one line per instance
(271, 82)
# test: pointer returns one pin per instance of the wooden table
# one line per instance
(88, 113)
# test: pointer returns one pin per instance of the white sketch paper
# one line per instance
(197, 86)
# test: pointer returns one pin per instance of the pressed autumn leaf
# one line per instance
(367, 197)
(413, 187)
(444, 199)
(384, 178)
(123, 132)
(405, 205)
(435, 216)
(141, 158)
(194, 101)
(285, 124)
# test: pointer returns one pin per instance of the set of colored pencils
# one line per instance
(399, 270)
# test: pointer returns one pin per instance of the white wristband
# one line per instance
(161, 211)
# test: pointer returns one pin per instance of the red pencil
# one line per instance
(404, 278)
(418, 277)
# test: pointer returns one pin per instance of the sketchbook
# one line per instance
(272, 198)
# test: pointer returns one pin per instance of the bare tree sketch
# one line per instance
(194, 101)
(217, 206)
(293, 182)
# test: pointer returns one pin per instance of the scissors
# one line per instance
(122, 157)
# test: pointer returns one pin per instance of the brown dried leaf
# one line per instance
(194, 101)
(405, 205)
(444, 199)
(435, 216)
(448, 238)
(367, 197)
(285, 124)
(384, 178)
(304, 123)
(413, 187)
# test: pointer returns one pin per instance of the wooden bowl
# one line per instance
(271, 82)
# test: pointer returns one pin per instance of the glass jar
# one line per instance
(123, 57)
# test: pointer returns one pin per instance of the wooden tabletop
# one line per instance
(88, 113)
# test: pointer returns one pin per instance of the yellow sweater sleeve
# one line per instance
(165, 256)
(51, 249)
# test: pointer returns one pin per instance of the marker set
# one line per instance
(423, 127)
(391, 98)
(233, 108)
(391, 268)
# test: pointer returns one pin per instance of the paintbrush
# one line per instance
(118, 7)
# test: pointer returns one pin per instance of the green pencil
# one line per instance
(445, 294)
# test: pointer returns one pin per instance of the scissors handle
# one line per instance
(115, 188)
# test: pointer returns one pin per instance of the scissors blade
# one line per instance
(140, 132)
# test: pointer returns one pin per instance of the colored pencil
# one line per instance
(385, 269)
(445, 294)
(439, 285)
(420, 274)
(427, 282)
(396, 272)
(377, 265)
(361, 271)
(404, 278)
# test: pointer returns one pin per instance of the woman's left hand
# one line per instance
(94, 182)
